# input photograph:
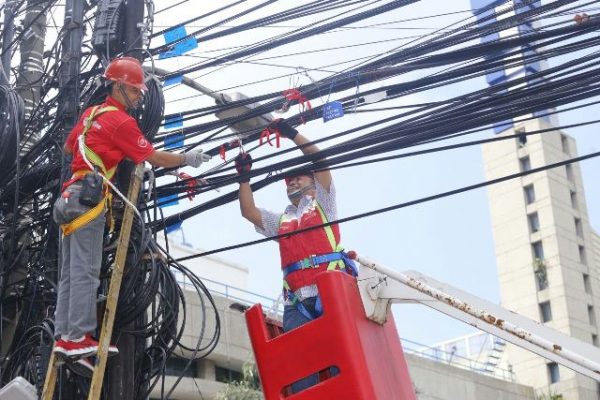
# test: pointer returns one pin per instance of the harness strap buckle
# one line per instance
(310, 262)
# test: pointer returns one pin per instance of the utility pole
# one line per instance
(121, 369)
(68, 77)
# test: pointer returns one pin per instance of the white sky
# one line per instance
(449, 239)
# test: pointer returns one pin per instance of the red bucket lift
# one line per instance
(368, 355)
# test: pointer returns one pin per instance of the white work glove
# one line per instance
(195, 158)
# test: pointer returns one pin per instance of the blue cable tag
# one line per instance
(174, 141)
(180, 48)
(174, 122)
(333, 110)
(173, 35)
(168, 201)
(174, 227)
(174, 80)
(167, 54)
(185, 46)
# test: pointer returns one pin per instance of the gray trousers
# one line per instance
(80, 262)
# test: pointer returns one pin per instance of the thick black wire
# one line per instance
(397, 206)
(37, 187)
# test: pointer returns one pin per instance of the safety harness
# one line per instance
(337, 259)
(94, 159)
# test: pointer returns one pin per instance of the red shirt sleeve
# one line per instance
(130, 140)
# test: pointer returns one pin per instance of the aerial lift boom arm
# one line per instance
(380, 287)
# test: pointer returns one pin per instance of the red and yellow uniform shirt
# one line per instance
(113, 136)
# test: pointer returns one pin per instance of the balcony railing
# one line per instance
(441, 356)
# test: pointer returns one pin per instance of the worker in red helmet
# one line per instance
(303, 255)
(103, 137)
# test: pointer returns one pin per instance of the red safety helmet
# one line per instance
(127, 70)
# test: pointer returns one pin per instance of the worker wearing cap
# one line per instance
(103, 137)
(304, 255)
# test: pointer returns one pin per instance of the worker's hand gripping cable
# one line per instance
(243, 166)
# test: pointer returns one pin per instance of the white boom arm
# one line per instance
(380, 287)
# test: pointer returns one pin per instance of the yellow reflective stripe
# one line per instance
(94, 159)
(84, 218)
(337, 264)
(335, 247)
(89, 153)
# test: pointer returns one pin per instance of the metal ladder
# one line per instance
(111, 301)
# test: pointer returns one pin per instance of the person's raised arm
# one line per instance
(243, 165)
(247, 206)
(286, 130)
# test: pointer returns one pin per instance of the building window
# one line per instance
(569, 170)
(176, 366)
(595, 339)
(574, 203)
(521, 137)
(541, 278)
(586, 284)
(525, 163)
(564, 141)
(226, 375)
(538, 250)
(545, 311)
(591, 315)
(529, 194)
(541, 274)
(534, 222)
(553, 372)
(582, 257)
(578, 227)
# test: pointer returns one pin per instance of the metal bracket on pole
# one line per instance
(380, 286)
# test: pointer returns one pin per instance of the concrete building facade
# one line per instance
(546, 250)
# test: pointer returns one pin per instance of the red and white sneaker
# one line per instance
(84, 347)
(71, 348)
(59, 347)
